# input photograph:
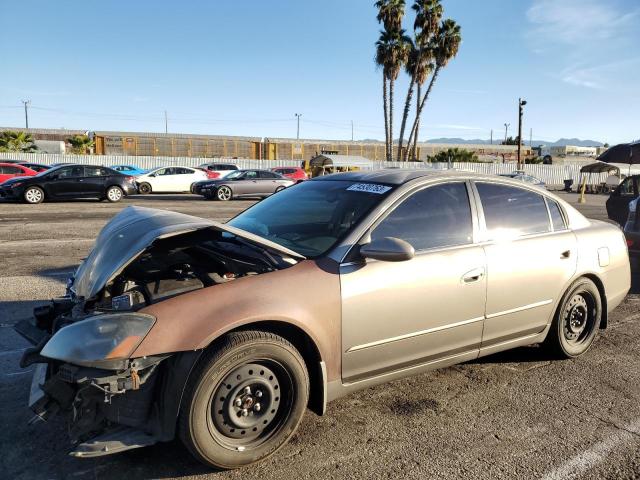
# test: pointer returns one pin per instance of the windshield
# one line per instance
(234, 174)
(48, 171)
(311, 217)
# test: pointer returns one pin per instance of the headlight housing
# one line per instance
(16, 184)
(101, 341)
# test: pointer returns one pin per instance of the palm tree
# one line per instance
(11, 141)
(80, 144)
(419, 66)
(390, 13)
(445, 47)
(392, 52)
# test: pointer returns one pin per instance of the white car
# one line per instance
(169, 179)
(222, 169)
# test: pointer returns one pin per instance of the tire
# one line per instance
(224, 193)
(576, 321)
(279, 189)
(114, 194)
(144, 188)
(226, 426)
(34, 195)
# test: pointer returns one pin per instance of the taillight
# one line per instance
(211, 174)
(629, 242)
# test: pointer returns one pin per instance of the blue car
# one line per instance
(128, 169)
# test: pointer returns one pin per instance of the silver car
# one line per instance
(242, 183)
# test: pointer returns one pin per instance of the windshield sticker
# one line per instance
(369, 188)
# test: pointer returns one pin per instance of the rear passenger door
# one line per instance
(531, 256)
(268, 182)
(94, 181)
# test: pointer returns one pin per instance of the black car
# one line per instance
(70, 181)
(618, 202)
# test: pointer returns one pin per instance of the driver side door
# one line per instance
(421, 312)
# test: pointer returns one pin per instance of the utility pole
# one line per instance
(26, 112)
(491, 136)
(352, 130)
(298, 115)
(521, 104)
(166, 123)
(506, 129)
(530, 137)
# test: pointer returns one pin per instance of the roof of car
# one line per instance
(397, 176)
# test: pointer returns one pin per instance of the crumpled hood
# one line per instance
(131, 231)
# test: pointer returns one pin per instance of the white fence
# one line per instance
(553, 175)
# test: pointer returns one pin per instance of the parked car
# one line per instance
(619, 200)
(296, 174)
(128, 169)
(69, 182)
(243, 183)
(222, 169)
(12, 170)
(180, 326)
(169, 179)
(524, 177)
(38, 167)
(210, 173)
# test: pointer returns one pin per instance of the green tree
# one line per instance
(511, 141)
(420, 63)
(11, 141)
(392, 51)
(453, 155)
(445, 47)
(80, 144)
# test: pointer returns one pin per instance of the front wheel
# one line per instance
(114, 194)
(224, 193)
(577, 320)
(244, 400)
(33, 195)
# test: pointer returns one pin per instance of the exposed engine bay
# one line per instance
(180, 264)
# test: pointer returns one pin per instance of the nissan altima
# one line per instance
(176, 326)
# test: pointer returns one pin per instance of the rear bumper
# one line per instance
(130, 189)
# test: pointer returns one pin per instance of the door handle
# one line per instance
(473, 275)
(566, 254)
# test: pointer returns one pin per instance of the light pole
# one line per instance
(26, 113)
(506, 129)
(521, 104)
(298, 115)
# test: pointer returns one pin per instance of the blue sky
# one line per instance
(245, 68)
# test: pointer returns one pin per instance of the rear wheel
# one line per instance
(244, 400)
(114, 194)
(144, 188)
(577, 320)
(279, 189)
(33, 195)
(224, 193)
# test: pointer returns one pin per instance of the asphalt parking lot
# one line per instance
(511, 415)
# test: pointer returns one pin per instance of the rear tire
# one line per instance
(144, 188)
(33, 195)
(576, 321)
(244, 400)
(279, 189)
(114, 194)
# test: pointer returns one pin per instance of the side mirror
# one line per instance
(388, 249)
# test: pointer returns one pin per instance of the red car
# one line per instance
(296, 174)
(210, 174)
(10, 170)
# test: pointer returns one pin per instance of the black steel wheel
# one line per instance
(245, 399)
(577, 320)
(144, 188)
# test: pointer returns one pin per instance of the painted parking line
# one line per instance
(588, 459)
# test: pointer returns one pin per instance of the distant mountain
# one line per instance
(562, 141)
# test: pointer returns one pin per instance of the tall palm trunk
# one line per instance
(390, 152)
(405, 116)
(385, 102)
(414, 133)
(415, 137)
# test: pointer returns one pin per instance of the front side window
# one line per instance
(69, 172)
(438, 216)
(627, 187)
(512, 211)
(93, 171)
(250, 175)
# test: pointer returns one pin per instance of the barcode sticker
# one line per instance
(369, 188)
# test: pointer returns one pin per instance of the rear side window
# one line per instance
(557, 219)
(10, 170)
(268, 175)
(93, 171)
(512, 211)
(437, 216)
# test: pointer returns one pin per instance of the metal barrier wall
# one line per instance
(550, 174)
